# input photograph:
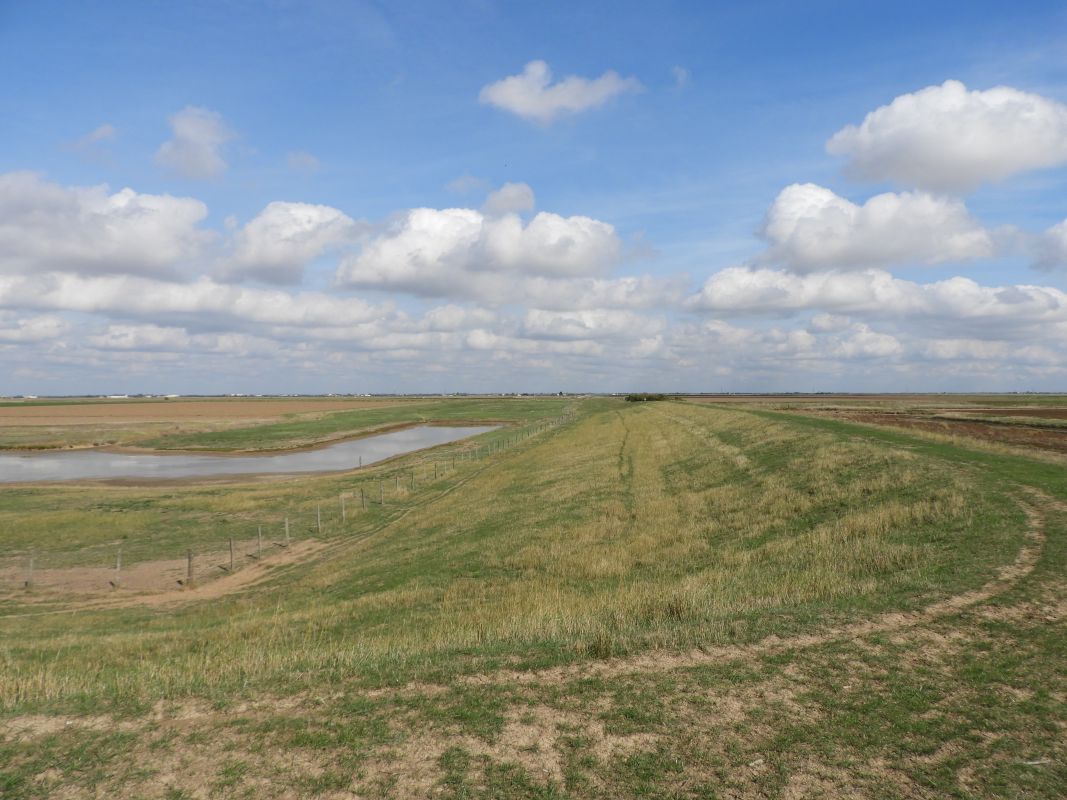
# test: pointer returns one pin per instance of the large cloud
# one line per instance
(277, 244)
(17, 328)
(44, 226)
(946, 138)
(442, 252)
(811, 228)
(956, 303)
(1051, 246)
(204, 301)
(532, 96)
(195, 147)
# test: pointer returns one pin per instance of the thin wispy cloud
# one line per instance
(195, 149)
(302, 162)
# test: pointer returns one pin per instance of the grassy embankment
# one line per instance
(83, 524)
(484, 636)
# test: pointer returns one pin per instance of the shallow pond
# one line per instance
(71, 465)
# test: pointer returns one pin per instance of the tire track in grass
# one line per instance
(665, 661)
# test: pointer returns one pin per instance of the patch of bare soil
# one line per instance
(1040, 413)
(531, 738)
(1052, 439)
(163, 582)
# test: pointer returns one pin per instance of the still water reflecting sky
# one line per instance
(80, 464)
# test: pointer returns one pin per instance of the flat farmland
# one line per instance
(597, 599)
(212, 424)
(1026, 403)
(124, 412)
(1036, 413)
(1034, 422)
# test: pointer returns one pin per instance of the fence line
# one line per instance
(236, 549)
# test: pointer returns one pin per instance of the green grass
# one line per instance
(298, 429)
(313, 429)
(632, 529)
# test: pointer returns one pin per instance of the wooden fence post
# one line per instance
(29, 571)
(362, 498)
(287, 531)
(259, 550)
(189, 569)
(381, 492)
(231, 554)
(318, 517)
(344, 514)
(118, 566)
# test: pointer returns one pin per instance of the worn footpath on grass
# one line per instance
(661, 601)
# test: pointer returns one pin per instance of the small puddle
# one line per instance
(96, 464)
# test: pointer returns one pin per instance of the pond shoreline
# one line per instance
(98, 465)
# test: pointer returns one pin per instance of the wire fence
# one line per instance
(229, 544)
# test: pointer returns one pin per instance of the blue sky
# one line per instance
(649, 204)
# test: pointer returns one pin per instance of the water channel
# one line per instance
(68, 465)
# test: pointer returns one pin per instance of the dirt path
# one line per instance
(269, 566)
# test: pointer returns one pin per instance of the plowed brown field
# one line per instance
(89, 413)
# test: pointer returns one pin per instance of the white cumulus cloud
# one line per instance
(1051, 246)
(15, 328)
(810, 228)
(443, 251)
(208, 302)
(277, 244)
(44, 226)
(195, 147)
(532, 95)
(955, 303)
(946, 138)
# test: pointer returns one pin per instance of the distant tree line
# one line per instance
(644, 398)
